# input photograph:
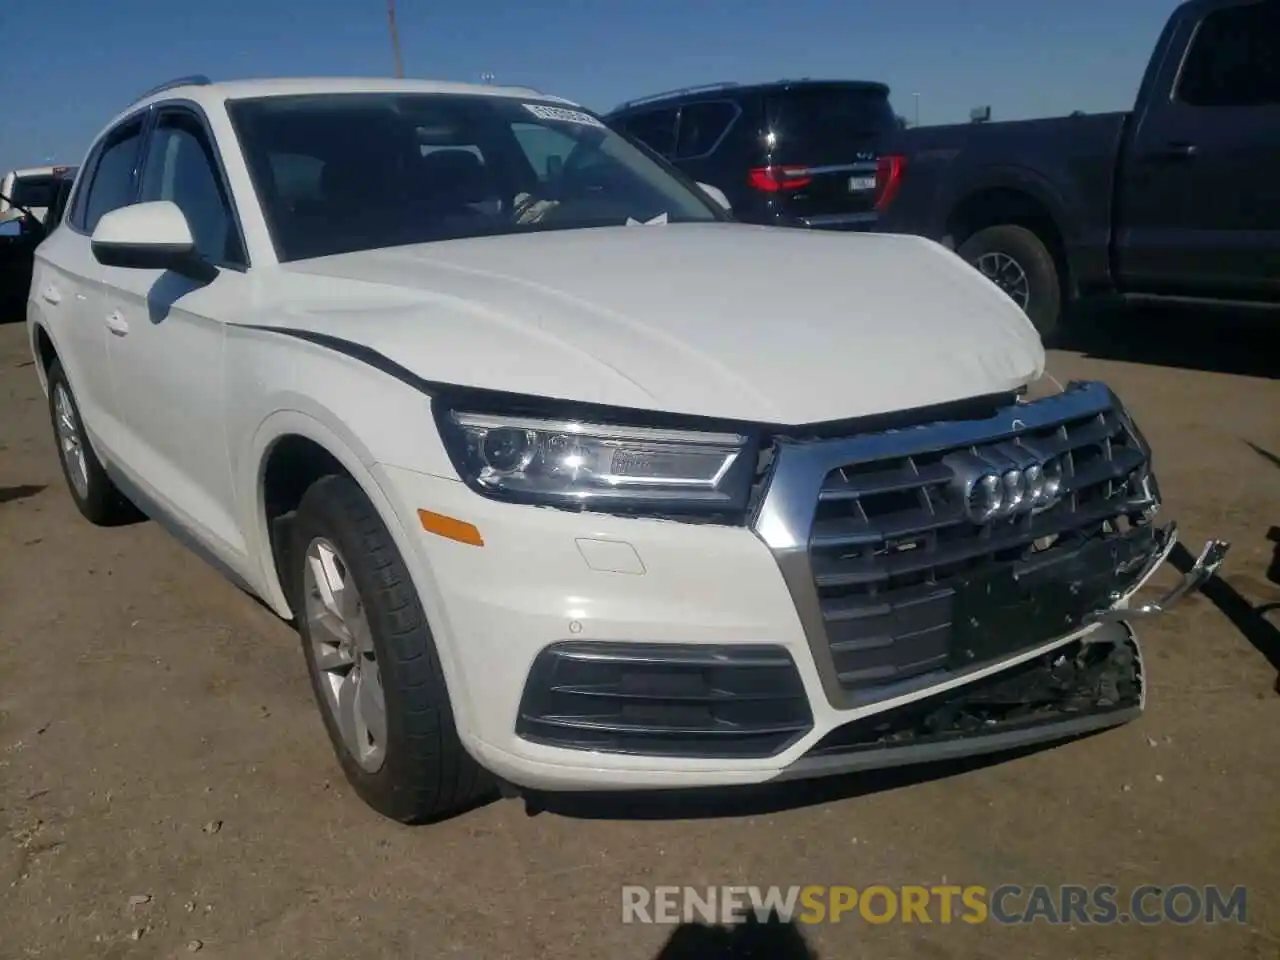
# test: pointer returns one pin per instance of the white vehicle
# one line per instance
(29, 188)
(569, 481)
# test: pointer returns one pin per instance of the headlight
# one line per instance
(600, 466)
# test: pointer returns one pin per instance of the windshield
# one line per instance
(32, 191)
(344, 172)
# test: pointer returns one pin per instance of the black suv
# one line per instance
(791, 153)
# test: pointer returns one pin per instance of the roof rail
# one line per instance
(195, 80)
(679, 92)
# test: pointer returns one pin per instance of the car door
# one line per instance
(167, 339)
(1199, 214)
(66, 282)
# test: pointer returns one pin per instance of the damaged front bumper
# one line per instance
(1206, 565)
(1094, 681)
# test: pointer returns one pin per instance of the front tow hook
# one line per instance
(1210, 559)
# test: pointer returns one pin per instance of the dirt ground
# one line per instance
(166, 787)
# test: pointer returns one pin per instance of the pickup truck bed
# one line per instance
(1173, 199)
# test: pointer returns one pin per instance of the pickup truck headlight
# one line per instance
(598, 466)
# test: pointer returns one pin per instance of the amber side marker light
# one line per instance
(450, 528)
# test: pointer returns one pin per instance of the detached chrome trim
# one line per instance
(1206, 565)
(785, 514)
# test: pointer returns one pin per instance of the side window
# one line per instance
(1234, 60)
(180, 167)
(545, 149)
(111, 185)
(656, 129)
(702, 125)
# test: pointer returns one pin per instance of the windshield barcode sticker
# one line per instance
(544, 112)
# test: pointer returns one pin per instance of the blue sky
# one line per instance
(68, 66)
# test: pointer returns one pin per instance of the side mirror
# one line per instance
(149, 236)
(716, 194)
(10, 229)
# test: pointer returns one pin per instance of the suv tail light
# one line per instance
(888, 178)
(777, 179)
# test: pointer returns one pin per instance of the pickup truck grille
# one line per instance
(889, 539)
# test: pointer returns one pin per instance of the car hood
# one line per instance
(724, 320)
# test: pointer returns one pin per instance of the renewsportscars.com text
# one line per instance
(1007, 904)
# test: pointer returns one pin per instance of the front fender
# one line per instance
(362, 417)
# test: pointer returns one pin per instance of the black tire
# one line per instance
(1044, 286)
(101, 503)
(426, 773)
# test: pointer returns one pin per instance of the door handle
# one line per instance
(51, 294)
(117, 324)
(1175, 151)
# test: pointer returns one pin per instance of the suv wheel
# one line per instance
(1018, 262)
(372, 659)
(95, 496)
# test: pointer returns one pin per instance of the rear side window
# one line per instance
(815, 118)
(1234, 60)
(656, 129)
(701, 127)
(112, 183)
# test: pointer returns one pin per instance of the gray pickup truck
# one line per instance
(1173, 199)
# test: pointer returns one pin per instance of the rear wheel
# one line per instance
(373, 663)
(95, 496)
(1018, 262)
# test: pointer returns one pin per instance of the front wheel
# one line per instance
(1018, 262)
(373, 663)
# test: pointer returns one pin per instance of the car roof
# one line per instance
(737, 89)
(34, 172)
(206, 92)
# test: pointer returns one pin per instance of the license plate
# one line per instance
(997, 615)
(858, 184)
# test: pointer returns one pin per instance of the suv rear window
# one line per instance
(809, 120)
(32, 191)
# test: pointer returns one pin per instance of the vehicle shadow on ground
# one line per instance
(706, 803)
(1212, 339)
(21, 492)
(1273, 535)
(1244, 616)
(769, 939)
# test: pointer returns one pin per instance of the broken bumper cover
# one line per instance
(1093, 682)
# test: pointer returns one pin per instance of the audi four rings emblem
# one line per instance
(1005, 480)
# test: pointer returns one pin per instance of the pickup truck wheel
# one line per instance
(1018, 262)
(95, 496)
(372, 659)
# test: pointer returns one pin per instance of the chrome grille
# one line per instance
(873, 558)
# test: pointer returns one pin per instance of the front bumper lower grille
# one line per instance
(670, 700)
(898, 587)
